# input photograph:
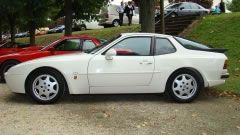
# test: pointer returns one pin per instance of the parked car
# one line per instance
(13, 47)
(57, 29)
(22, 34)
(65, 45)
(78, 25)
(151, 63)
(110, 17)
(41, 31)
(185, 8)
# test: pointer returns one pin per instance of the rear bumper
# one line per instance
(225, 76)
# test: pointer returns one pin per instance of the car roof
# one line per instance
(145, 34)
(78, 36)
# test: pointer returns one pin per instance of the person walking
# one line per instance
(120, 10)
(129, 10)
(222, 6)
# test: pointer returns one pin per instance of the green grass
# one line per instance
(222, 31)
(106, 33)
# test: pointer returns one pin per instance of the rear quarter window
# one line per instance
(188, 44)
(163, 46)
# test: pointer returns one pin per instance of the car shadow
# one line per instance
(100, 98)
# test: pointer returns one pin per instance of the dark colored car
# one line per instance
(185, 8)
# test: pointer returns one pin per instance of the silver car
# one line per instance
(185, 8)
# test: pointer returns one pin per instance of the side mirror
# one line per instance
(110, 53)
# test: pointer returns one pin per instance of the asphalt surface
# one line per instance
(118, 115)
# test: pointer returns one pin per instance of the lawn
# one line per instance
(222, 31)
(106, 33)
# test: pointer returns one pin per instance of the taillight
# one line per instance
(225, 64)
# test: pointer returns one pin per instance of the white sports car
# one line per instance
(130, 63)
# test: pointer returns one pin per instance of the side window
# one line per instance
(68, 45)
(185, 6)
(195, 6)
(163, 46)
(136, 46)
(88, 45)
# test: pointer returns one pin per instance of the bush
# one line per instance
(234, 6)
(205, 3)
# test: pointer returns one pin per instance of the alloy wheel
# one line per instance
(45, 87)
(184, 86)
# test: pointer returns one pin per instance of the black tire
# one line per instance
(35, 93)
(5, 67)
(173, 15)
(176, 95)
(116, 23)
(83, 28)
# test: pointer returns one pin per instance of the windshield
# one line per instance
(173, 6)
(104, 44)
(190, 44)
(44, 48)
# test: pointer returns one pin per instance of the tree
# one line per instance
(12, 10)
(234, 6)
(147, 15)
(35, 13)
(162, 16)
(80, 9)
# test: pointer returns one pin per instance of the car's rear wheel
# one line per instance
(184, 86)
(173, 15)
(116, 23)
(45, 86)
(6, 66)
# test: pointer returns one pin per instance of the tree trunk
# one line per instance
(147, 16)
(1, 30)
(32, 28)
(11, 20)
(68, 17)
(162, 16)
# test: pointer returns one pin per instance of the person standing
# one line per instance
(129, 10)
(120, 10)
(222, 6)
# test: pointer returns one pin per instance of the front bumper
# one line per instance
(15, 82)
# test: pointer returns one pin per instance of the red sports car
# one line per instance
(64, 45)
(13, 47)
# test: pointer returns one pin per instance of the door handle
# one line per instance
(146, 62)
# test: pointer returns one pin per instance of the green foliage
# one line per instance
(222, 32)
(36, 11)
(82, 9)
(234, 6)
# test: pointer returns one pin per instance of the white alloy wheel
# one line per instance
(184, 86)
(45, 87)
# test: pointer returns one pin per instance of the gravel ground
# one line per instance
(118, 115)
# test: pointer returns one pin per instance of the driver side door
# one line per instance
(131, 68)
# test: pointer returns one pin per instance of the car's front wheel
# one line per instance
(184, 86)
(45, 86)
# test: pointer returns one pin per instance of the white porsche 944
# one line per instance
(129, 63)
